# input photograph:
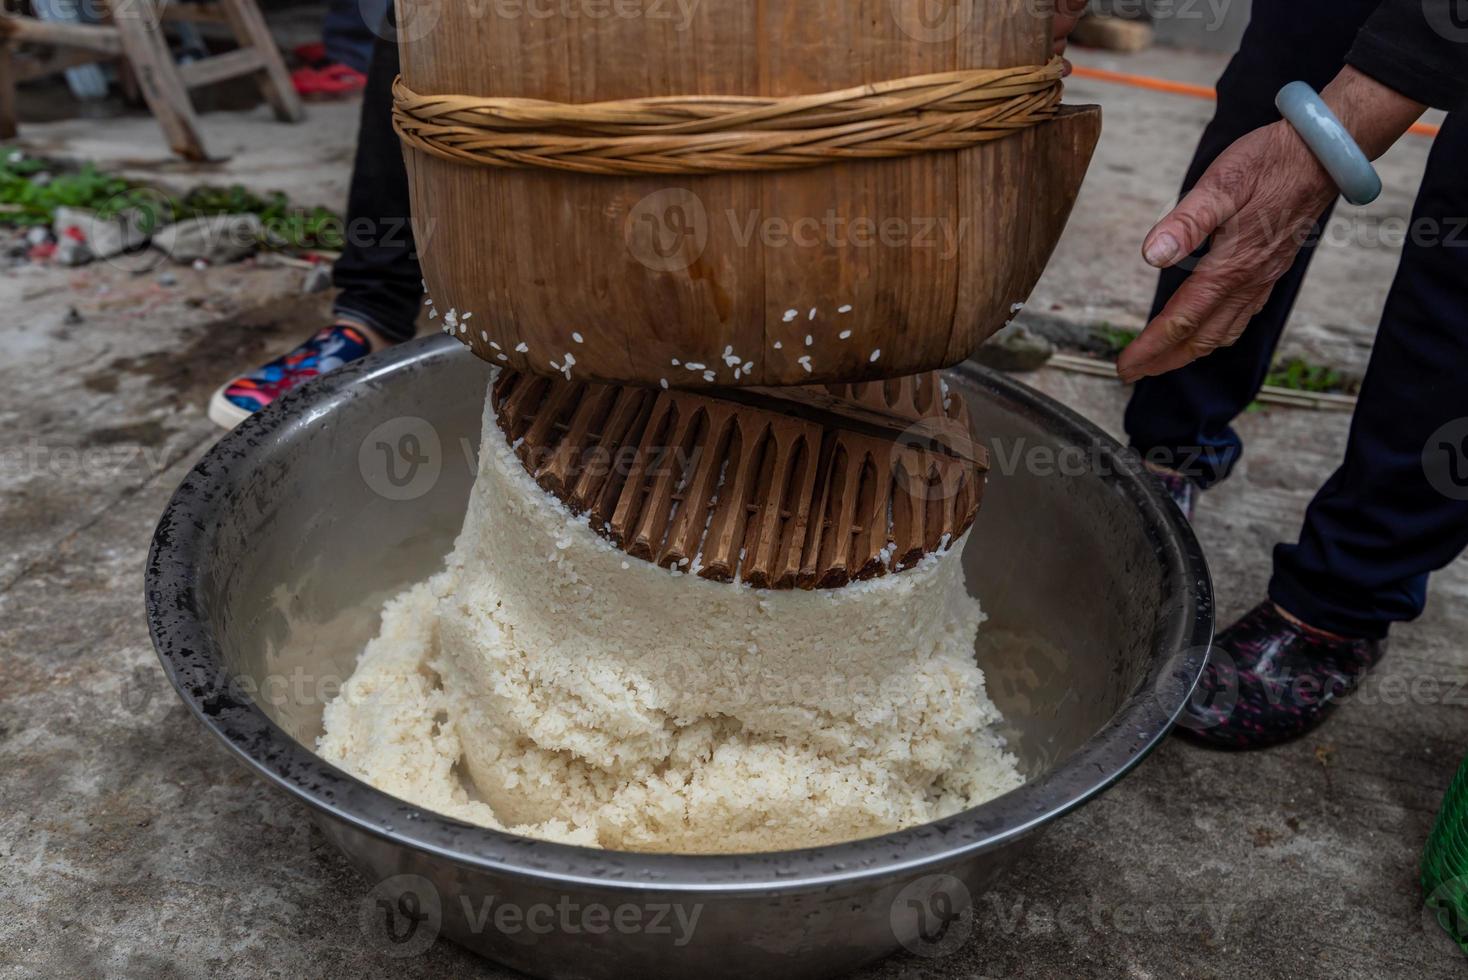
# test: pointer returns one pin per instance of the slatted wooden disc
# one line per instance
(777, 496)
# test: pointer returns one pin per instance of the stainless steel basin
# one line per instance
(269, 566)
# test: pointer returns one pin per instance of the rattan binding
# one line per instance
(701, 134)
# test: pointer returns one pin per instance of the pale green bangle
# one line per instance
(1332, 145)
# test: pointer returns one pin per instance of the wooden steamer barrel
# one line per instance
(889, 266)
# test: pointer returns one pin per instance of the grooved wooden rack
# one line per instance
(729, 490)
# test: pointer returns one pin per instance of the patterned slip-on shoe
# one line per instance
(332, 347)
(1270, 678)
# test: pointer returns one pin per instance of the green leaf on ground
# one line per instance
(1297, 374)
(32, 188)
(1115, 339)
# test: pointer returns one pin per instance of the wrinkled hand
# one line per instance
(1259, 202)
(1067, 13)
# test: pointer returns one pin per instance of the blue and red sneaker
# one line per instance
(1183, 491)
(332, 347)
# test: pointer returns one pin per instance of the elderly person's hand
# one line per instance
(1257, 204)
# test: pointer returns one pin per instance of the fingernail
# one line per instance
(1161, 250)
(1132, 370)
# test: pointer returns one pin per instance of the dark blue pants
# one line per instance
(1392, 512)
(350, 29)
(377, 274)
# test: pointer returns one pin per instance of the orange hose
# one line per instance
(1143, 81)
(1185, 88)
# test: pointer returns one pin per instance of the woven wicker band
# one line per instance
(715, 134)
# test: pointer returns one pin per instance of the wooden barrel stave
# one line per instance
(929, 252)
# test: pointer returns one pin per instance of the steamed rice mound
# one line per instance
(547, 684)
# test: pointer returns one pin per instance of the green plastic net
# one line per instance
(1445, 862)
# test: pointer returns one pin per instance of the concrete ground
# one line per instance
(130, 845)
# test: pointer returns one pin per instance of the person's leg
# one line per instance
(1182, 420)
(378, 277)
(1397, 508)
(380, 283)
(350, 29)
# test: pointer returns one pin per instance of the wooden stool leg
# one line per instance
(157, 74)
(275, 82)
(127, 83)
(7, 92)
